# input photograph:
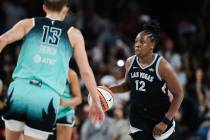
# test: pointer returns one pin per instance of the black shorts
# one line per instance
(145, 130)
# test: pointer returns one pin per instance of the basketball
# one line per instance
(106, 98)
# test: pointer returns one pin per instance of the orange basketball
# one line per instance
(105, 96)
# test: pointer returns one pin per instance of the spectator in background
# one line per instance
(174, 59)
(105, 131)
(122, 124)
(168, 52)
(204, 106)
(14, 12)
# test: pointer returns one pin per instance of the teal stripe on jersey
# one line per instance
(45, 54)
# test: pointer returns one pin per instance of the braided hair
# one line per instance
(152, 29)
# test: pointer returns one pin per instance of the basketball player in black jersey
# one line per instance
(150, 77)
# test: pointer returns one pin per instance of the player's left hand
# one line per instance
(63, 102)
(159, 129)
(96, 112)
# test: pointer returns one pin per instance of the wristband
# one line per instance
(166, 121)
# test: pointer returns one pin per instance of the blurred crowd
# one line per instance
(109, 29)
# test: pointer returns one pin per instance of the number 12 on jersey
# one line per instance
(140, 85)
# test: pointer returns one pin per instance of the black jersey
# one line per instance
(149, 93)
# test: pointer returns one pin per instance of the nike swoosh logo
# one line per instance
(110, 99)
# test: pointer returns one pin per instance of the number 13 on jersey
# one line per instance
(51, 35)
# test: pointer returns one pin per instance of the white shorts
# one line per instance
(18, 126)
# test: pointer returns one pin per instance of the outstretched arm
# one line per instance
(86, 72)
(75, 88)
(125, 84)
(17, 32)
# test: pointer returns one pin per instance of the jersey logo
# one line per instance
(142, 75)
(135, 67)
(110, 99)
(53, 22)
(151, 70)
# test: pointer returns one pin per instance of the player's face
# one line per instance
(143, 44)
